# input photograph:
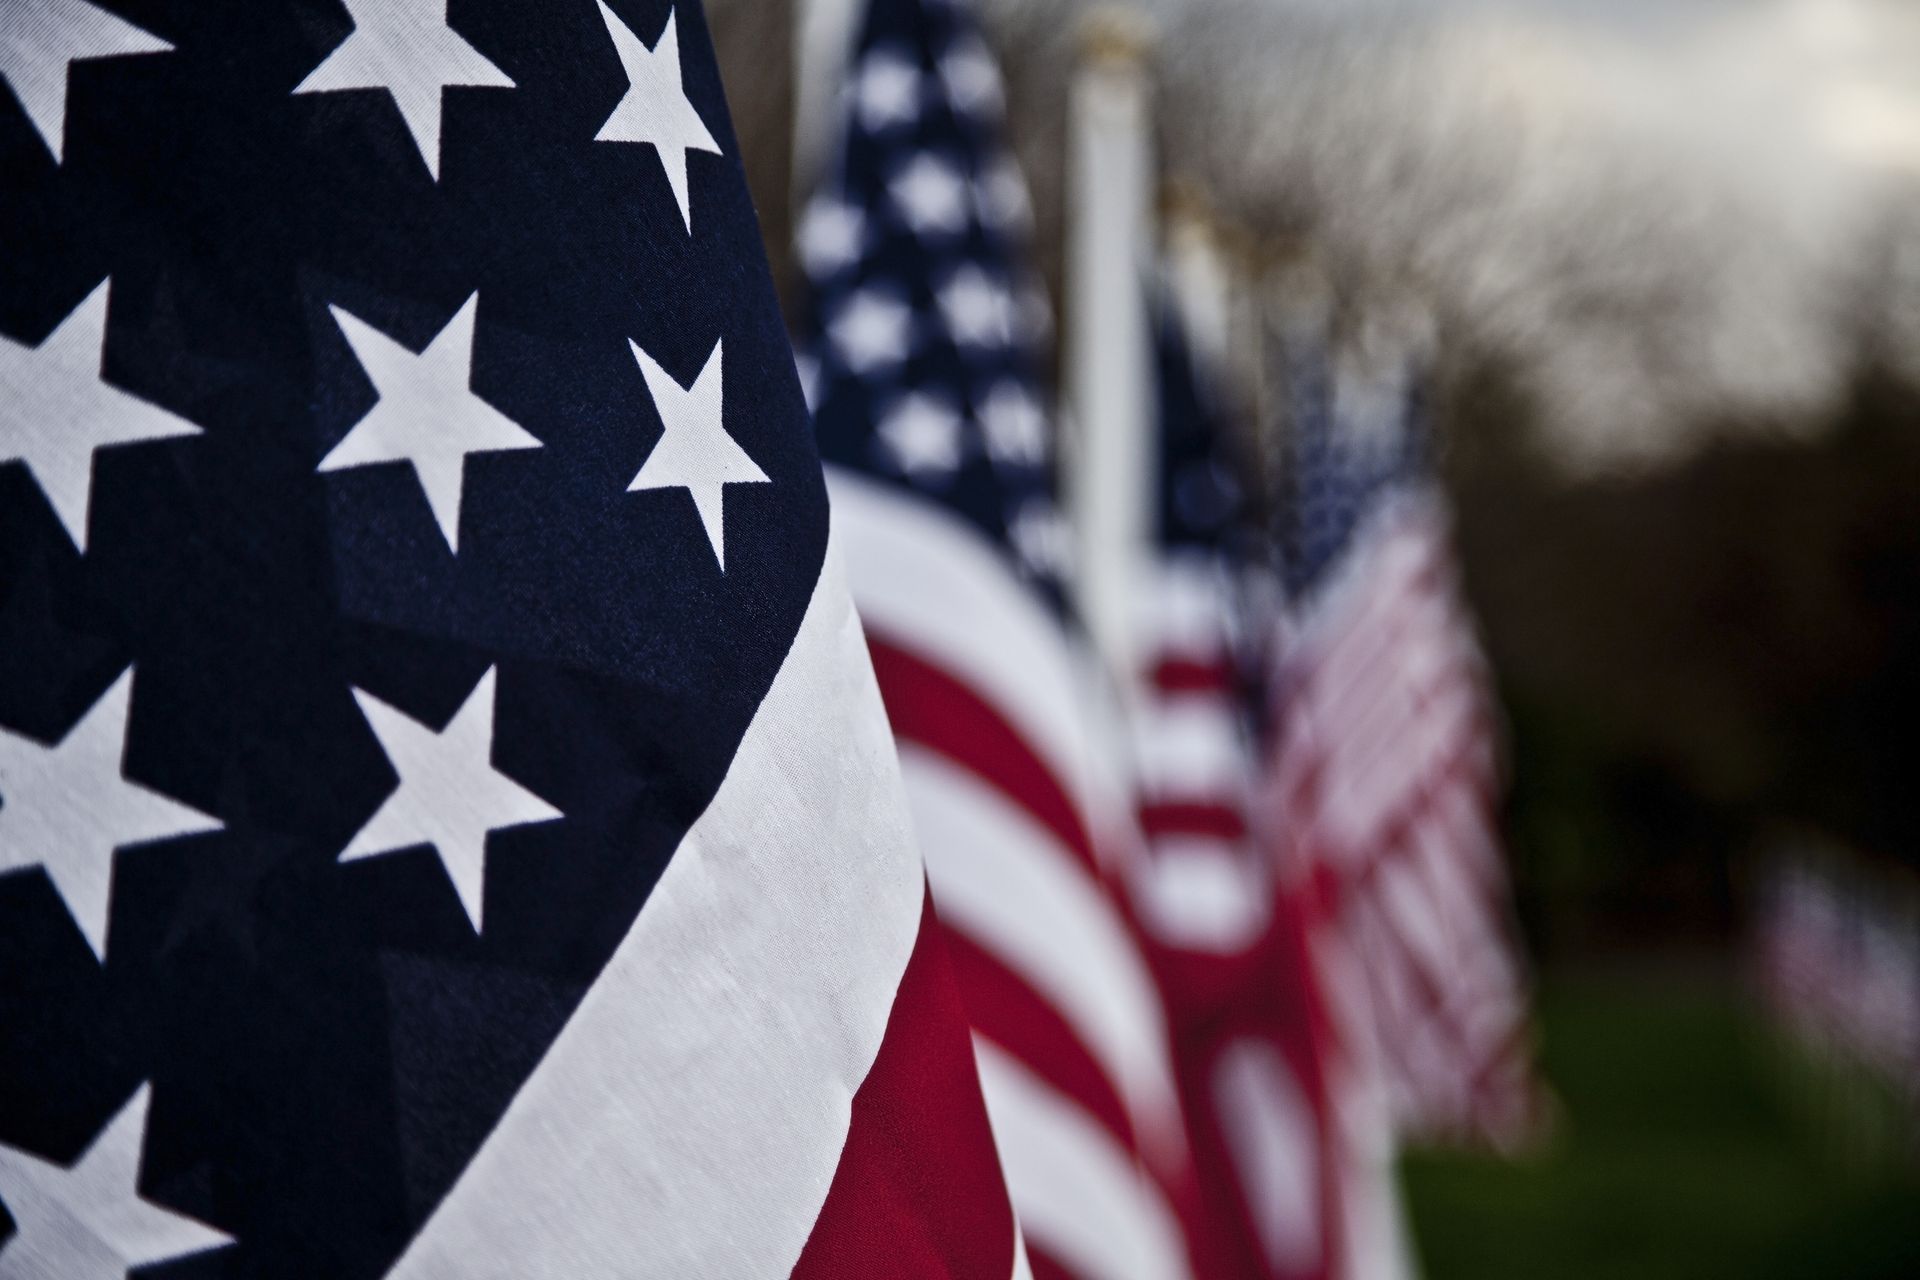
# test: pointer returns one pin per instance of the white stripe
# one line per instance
(1005, 881)
(1022, 1268)
(926, 580)
(1190, 747)
(1201, 893)
(1375, 1242)
(689, 1118)
(1185, 607)
(1078, 1195)
(1455, 890)
(1373, 640)
(1381, 703)
(1374, 717)
(1270, 1132)
(1410, 909)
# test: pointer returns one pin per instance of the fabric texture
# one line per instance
(448, 824)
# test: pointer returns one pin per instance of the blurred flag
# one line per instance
(1225, 930)
(448, 826)
(1837, 951)
(1386, 771)
(922, 352)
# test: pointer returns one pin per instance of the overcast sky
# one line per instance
(1671, 218)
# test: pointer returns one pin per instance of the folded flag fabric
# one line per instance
(448, 825)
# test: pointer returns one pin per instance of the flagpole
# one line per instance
(1198, 273)
(823, 36)
(1105, 472)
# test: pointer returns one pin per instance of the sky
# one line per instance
(1670, 222)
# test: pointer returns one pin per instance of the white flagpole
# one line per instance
(1198, 272)
(1105, 472)
(823, 36)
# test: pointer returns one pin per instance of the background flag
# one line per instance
(1224, 927)
(922, 348)
(1386, 769)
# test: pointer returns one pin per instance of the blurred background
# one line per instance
(1668, 261)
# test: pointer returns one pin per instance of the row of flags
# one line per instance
(940, 462)
(1226, 924)
(502, 776)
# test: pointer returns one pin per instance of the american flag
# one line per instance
(1386, 770)
(448, 824)
(1225, 928)
(922, 349)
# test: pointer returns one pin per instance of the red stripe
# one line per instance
(1011, 1014)
(934, 709)
(1193, 818)
(1176, 674)
(918, 1191)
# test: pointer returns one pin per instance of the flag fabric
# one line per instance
(1192, 732)
(922, 348)
(1386, 772)
(1224, 926)
(448, 824)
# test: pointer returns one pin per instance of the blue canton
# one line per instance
(1339, 462)
(394, 407)
(1203, 502)
(926, 330)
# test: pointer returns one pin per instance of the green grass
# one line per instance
(1689, 1147)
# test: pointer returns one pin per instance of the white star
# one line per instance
(69, 806)
(873, 329)
(923, 434)
(832, 235)
(1014, 424)
(427, 414)
(886, 91)
(931, 196)
(450, 795)
(1000, 195)
(1041, 537)
(406, 48)
(656, 110)
(43, 38)
(972, 79)
(89, 1221)
(56, 410)
(695, 453)
(979, 309)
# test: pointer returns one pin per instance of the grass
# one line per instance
(1691, 1147)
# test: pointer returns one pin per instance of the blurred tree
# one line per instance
(1691, 656)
